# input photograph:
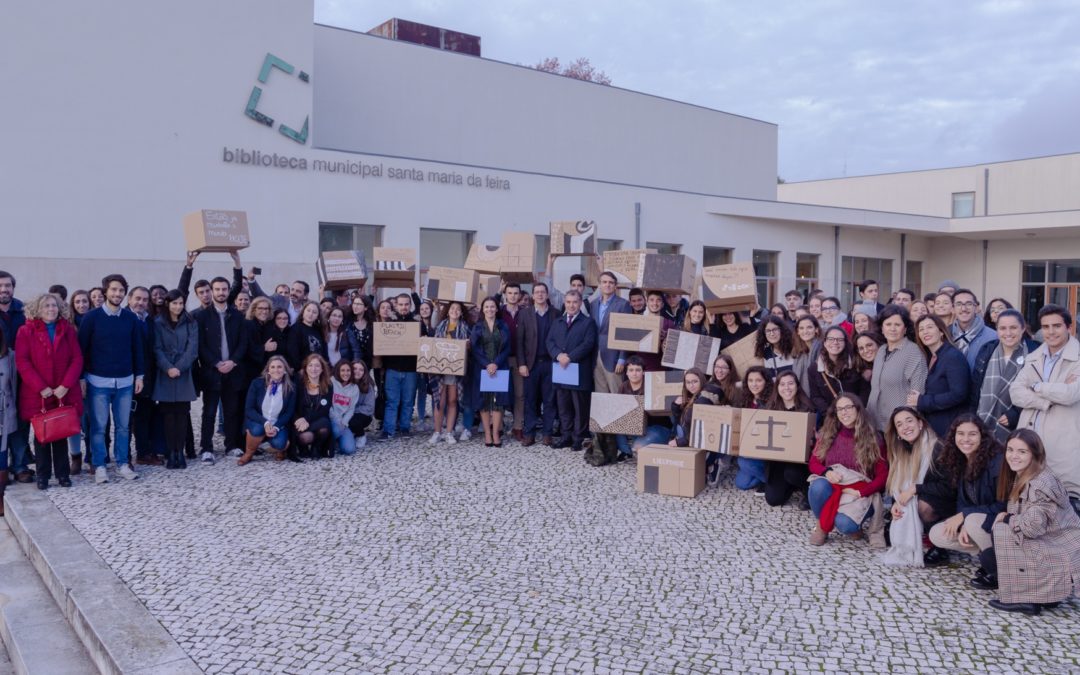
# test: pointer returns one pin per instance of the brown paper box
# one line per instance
(441, 356)
(573, 237)
(685, 350)
(490, 285)
(661, 388)
(715, 428)
(338, 270)
(450, 284)
(742, 353)
(668, 273)
(626, 265)
(617, 414)
(775, 435)
(664, 470)
(729, 288)
(634, 332)
(215, 230)
(396, 338)
(513, 259)
(394, 264)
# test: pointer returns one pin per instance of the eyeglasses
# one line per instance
(844, 408)
(835, 340)
(829, 308)
(772, 331)
(964, 305)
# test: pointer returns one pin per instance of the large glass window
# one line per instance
(963, 204)
(347, 237)
(445, 248)
(854, 270)
(667, 249)
(1044, 282)
(765, 273)
(913, 277)
(806, 272)
(543, 248)
(714, 255)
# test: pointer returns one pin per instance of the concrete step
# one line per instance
(36, 633)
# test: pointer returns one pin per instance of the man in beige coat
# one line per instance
(1047, 388)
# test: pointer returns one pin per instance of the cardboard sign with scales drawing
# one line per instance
(775, 435)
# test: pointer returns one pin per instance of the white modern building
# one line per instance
(124, 116)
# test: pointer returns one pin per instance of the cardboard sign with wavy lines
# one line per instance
(441, 356)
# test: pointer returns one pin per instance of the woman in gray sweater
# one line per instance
(899, 368)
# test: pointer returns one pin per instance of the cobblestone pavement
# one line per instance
(413, 559)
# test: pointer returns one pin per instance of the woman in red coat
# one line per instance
(49, 362)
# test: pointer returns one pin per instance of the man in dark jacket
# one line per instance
(144, 415)
(222, 347)
(534, 364)
(12, 317)
(572, 340)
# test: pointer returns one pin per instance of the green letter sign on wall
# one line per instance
(269, 63)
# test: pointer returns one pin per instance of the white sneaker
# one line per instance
(236, 452)
(361, 442)
(126, 472)
(434, 438)
(208, 457)
(465, 435)
(100, 475)
(449, 438)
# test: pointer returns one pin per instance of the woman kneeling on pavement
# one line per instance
(311, 422)
(784, 478)
(850, 470)
(972, 454)
(346, 423)
(1037, 537)
(682, 408)
(655, 430)
(271, 399)
(910, 441)
(756, 391)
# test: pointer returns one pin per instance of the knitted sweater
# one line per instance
(842, 452)
(896, 374)
(112, 346)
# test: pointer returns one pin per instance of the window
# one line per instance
(1045, 282)
(913, 277)
(543, 249)
(806, 272)
(765, 272)
(963, 204)
(854, 270)
(667, 249)
(713, 255)
(345, 237)
(445, 248)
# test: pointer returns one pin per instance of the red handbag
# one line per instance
(56, 424)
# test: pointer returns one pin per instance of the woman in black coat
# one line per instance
(306, 337)
(947, 378)
(490, 348)
(834, 372)
(176, 346)
(265, 333)
(311, 429)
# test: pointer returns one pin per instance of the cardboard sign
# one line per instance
(742, 353)
(215, 230)
(394, 264)
(338, 270)
(490, 285)
(441, 356)
(450, 284)
(685, 350)
(396, 338)
(634, 332)
(662, 387)
(513, 259)
(729, 288)
(573, 237)
(617, 414)
(626, 265)
(667, 273)
(715, 428)
(776, 435)
(664, 470)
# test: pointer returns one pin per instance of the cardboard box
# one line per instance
(513, 259)
(634, 332)
(729, 288)
(394, 264)
(685, 350)
(668, 273)
(441, 356)
(396, 338)
(776, 435)
(662, 387)
(216, 230)
(450, 284)
(742, 353)
(338, 270)
(490, 285)
(573, 237)
(617, 414)
(715, 428)
(664, 470)
(627, 265)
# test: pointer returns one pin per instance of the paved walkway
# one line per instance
(462, 559)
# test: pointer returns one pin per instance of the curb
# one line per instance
(118, 632)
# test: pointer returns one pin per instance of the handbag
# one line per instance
(56, 424)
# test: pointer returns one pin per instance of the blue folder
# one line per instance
(500, 382)
(567, 375)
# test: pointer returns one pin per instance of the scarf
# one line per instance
(994, 398)
(459, 332)
(962, 339)
(906, 534)
(840, 318)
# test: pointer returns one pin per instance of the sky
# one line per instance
(856, 86)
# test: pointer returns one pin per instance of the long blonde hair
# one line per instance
(286, 382)
(867, 452)
(905, 459)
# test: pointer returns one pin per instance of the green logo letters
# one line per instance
(269, 63)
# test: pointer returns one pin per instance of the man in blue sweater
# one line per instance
(113, 367)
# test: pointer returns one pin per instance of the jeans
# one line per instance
(277, 442)
(751, 473)
(346, 442)
(819, 493)
(654, 434)
(19, 447)
(400, 394)
(101, 402)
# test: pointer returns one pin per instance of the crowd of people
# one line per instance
(943, 424)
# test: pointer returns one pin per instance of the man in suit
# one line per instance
(610, 363)
(534, 363)
(144, 414)
(222, 347)
(572, 339)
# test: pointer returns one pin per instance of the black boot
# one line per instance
(293, 454)
(986, 578)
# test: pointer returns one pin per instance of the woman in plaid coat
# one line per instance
(1037, 540)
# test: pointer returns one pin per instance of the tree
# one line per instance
(580, 69)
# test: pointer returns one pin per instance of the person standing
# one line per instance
(144, 416)
(9, 410)
(572, 340)
(996, 366)
(490, 348)
(112, 350)
(50, 362)
(610, 363)
(448, 388)
(534, 365)
(400, 376)
(176, 347)
(223, 343)
(12, 318)
(899, 369)
(945, 394)
(969, 331)
(509, 314)
(298, 297)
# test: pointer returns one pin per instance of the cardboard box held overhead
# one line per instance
(573, 237)
(715, 428)
(664, 470)
(729, 288)
(743, 354)
(396, 338)
(668, 273)
(216, 230)
(626, 264)
(616, 414)
(776, 435)
(338, 270)
(450, 284)
(685, 350)
(634, 332)
(662, 387)
(394, 264)
(512, 260)
(441, 356)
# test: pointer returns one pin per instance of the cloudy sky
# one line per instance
(856, 86)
